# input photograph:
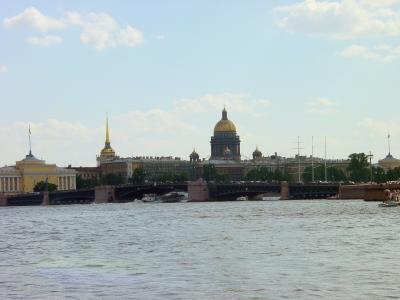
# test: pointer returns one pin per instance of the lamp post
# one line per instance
(371, 177)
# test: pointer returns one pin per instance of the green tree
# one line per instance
(209, 172)
(379, 175)
(223, 178)
(112, 179)
(393, 174)
(180, 177)
(358, 167)
(138, 176)
(333, 174)
(42, 186)
(88, 183)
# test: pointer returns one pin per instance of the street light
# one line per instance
(371, 177)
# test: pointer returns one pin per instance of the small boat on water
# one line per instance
(243, 198)
(149, 198)
(389, 204)
(172, 197)
(270, 198)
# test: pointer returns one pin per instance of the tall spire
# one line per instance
(107, 133)
(389, 143)
(30, 143)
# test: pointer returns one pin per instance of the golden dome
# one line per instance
(224, 125)
(107, 151)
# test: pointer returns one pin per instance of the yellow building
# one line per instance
(23, 177)
(389, 163)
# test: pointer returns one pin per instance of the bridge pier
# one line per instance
(3, 200)
(104, 194)
(198, 191)
(285, 190)
(46, 198)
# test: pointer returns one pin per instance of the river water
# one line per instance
(226, 250)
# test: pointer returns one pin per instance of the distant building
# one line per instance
(389, 163)
(87, 173)
(23, 177)
(159, 167)
(122, 167)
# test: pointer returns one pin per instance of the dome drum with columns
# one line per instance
(225, 143)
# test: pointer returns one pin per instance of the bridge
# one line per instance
(117, 194)
(220, 192)
(231, 191)
(198, 191)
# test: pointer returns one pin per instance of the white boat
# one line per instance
(172, 197)
(149, 198)
(243, 198)
(389, 204)
(270, 198)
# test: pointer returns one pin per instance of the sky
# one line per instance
(164, 70)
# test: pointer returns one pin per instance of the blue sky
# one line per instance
(163, 70)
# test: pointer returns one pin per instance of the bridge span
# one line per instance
(197, 190)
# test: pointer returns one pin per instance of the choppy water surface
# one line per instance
(232, 250)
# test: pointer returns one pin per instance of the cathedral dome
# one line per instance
(257, 153)
(224, 125)
(194, 156)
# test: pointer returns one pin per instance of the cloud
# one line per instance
(3, 69)
(32, 18)
(379, 128)
(158, 132)
(382, 53)
(234, 102)
(321, 106)
(101, 31)
(47, 40)
(341, 19)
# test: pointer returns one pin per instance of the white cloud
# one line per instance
(341, 19)
(322, 106)
(233, 101)
(158, 132)
(32, 18)
(47, 40)
(382, 53)
(129, 36)
(379, 128)
(3, 69)
(101, 31)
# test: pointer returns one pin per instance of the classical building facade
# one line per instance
(225, 143)
(23, 177)
(389, 163)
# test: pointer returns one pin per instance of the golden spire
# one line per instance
(107, 132)
(107, 150)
